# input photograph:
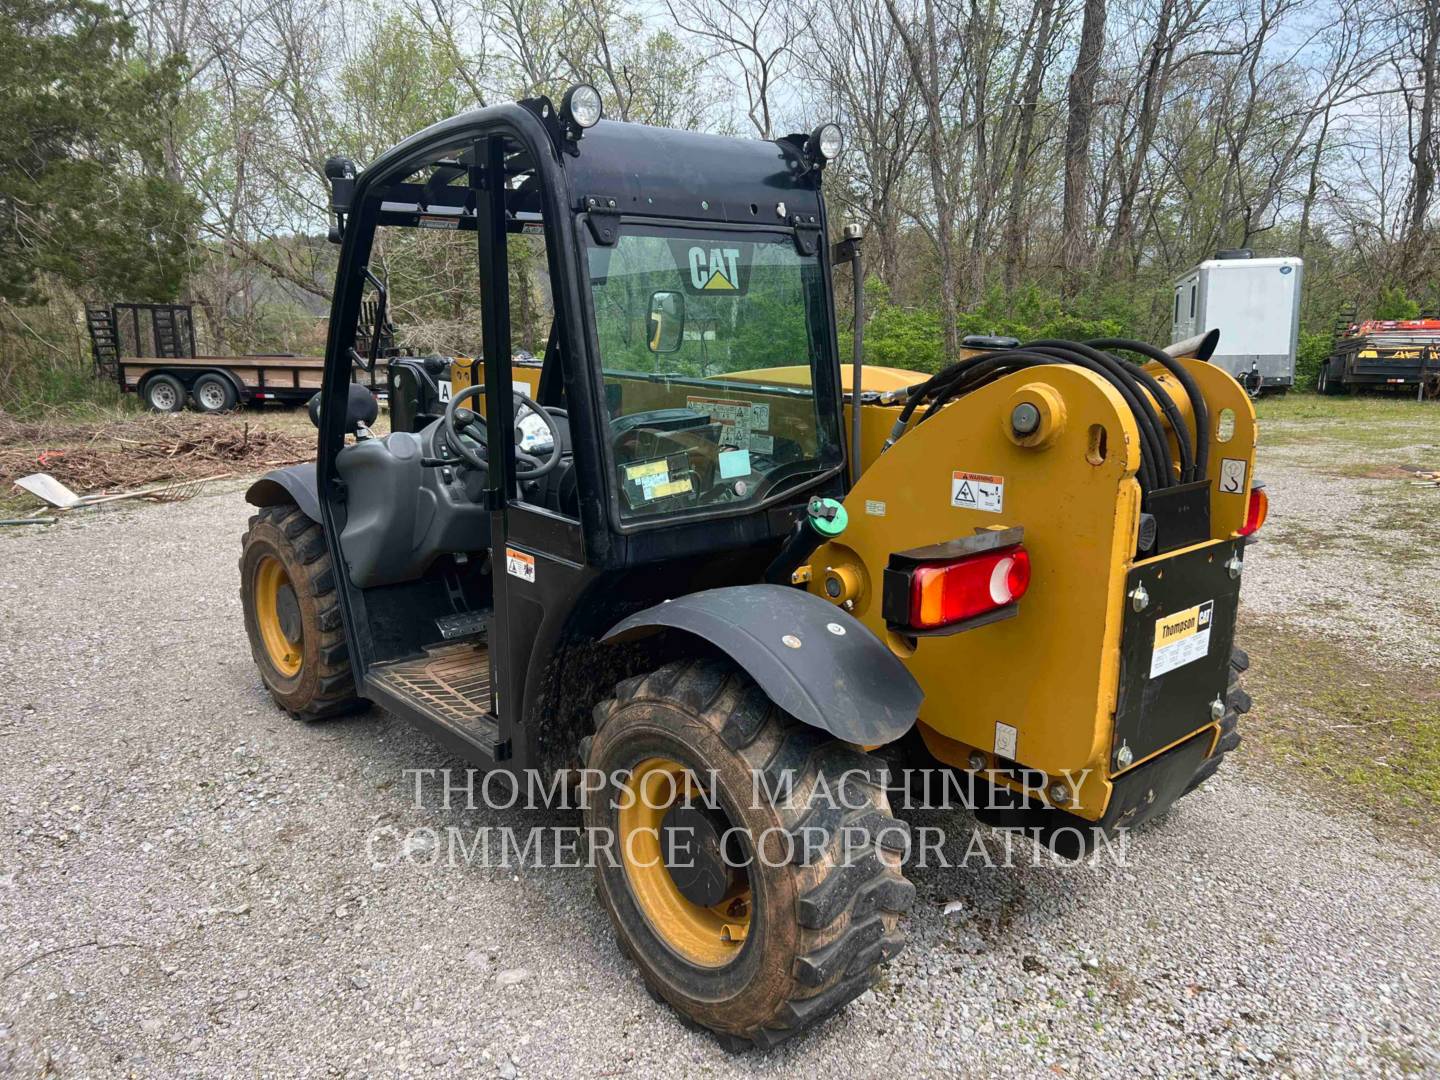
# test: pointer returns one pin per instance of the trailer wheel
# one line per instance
(1237, 702)
(292, 615)
(214, 393)
(164, 394)
(753, 915)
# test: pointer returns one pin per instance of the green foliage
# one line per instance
(1394, 304)
(896, 336)
(43, 383)
(45, 362)
(913, 337)
(1310, 353)
(399, 82)
(83, 187)
(1033, 313)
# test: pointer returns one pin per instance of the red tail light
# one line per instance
(1256, 510)
(952, 592)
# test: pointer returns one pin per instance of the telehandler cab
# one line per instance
(644, 554)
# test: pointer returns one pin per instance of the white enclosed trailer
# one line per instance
(1255, 304)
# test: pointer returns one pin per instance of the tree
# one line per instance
(1042, 21)
(755, 38)
(84, 194)
(1075, 246)
(1421, 56)
(865, 81)
(925, 69)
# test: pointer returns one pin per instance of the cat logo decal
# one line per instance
(715, 269)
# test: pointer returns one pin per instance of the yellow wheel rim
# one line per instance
(706, 936)
(285, 652)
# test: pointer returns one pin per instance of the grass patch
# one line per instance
(1357, 733)
(1412, 511)
(1299, 535)
(1379, 431)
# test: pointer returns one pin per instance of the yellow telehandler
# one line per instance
(671, 558)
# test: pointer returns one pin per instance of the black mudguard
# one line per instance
(294, 483)
(817, 662)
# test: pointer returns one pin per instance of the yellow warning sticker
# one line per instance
(672, 487)
(1181, 638)
(658, 467)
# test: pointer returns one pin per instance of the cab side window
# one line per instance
(532, 310)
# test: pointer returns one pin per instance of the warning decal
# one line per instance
(977, 491)
(519, 564)
(1181, 638)
(745, 423)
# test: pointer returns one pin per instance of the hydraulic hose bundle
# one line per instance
(1140, 390)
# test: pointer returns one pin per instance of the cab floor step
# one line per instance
(451, 684)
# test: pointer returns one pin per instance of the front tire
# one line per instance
(801, 930)
(292, 615)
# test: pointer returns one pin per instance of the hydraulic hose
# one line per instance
(1137, 387)
(1125, 378)
(1154, 457)
(1187, 383)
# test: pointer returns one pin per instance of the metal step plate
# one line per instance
(450, 684)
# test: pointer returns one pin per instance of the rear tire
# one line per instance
(292, 615)
(214, 394)
(164, 394)
(816, 926)
(1237, 703)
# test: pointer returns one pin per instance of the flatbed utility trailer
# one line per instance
(149, 349)
(1388, 354)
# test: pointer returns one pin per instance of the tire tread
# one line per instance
(335, 686)
(849, 902)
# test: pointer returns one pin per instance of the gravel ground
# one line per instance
(185, 887)
(1351, 559)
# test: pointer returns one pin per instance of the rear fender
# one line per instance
(294, 484)
(814, 660)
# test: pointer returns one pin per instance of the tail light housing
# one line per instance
(1256, 510)
(956, 586)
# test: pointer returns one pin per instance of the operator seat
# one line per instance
(401, 515)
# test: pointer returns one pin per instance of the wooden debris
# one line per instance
(150, 451)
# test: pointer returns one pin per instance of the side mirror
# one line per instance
(665, 328)
(360, 408)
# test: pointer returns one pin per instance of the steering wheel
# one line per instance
(451, 429)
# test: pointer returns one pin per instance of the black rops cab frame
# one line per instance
(597, 566)
(541, 576)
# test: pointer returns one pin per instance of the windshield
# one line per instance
(709, 347)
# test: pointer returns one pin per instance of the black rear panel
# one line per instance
(1174, 654)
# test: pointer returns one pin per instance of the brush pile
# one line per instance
(122, 454)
